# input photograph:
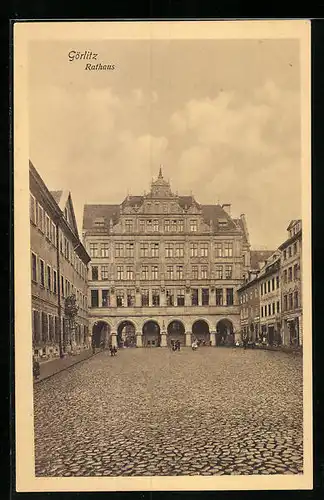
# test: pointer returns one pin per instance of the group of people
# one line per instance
(175, 345)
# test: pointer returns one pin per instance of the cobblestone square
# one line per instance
(155, 412)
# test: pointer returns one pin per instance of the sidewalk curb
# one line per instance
(66, 368)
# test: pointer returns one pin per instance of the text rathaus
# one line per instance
(163, 268)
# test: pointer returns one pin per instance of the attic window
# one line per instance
(222, 222)
(100, 222)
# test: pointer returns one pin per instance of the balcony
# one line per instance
(165, 311)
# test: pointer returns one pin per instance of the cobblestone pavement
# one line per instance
(156, 412)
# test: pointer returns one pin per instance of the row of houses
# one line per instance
(271, 295)
(155, 268)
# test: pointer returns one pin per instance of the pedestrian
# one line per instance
(111, 350)
(36, 368)
(115, 350)
(178, 345)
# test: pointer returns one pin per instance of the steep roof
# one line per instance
(258, 256)
(106, 212)
(214, 213)
(57, 195)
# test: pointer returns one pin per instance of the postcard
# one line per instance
(163, 330)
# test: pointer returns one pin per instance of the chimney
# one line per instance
(227, 208)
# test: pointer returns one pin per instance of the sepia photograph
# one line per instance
(162, 228)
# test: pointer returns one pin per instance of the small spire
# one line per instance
(160, 173)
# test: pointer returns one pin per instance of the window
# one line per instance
(129, 273)
(296, 273)
(173, 225)
(144, 273)
(228, 272)
(285, 254)
(33, 209)
(169, 249)
(204, 250)
(204, 272)
(119, 250)
(193, 226)
(261, 311)
(194, 272)
(94, 273)
(51, 327)
(180, 226)
(296, 300)
(290, 274)
(278, 307)
(94, 298)
(170, 272)
(218, 249)
(154, 272)
(145, 298)
(295, 247)
(34, 267)
(219, 296)
(54, 281)
(269, 309)
(144, 249)
(44, 326)
(130, 298)
(129, 250)
(169, 298)
(269, 286)
(273, 284)
(47, 227)
(273, 308)
(154, 249)
(277, 282)
(49, 278)
(149, 225)
(93, 249)
(194, 297)
(105, 298)
(289, 251)
(255, 292)
(42, 272)
(36, 326)
(142, 226)
(285, 274)
(104, 272)
(291, 305)
(155, 225)
(53, 235)
(193, 249)
(155, 298)
(285, 302)
(67, 287)
(229, 296)
(219, 272)
(41, 221)
(179, 249)
(180, 297)
(205, 296)
(261, 289)
(62, 287)
(120, 298)
(179, 272)
(104, 250)
(228, 249)
(120, 272)
(129, 225)
(166, 226)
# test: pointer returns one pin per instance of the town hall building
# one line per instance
(164, 267)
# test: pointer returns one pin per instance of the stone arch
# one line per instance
(151, 333)
(201, 331)
(176, 331)
(224, 332)
(126, 333)
(101, 332)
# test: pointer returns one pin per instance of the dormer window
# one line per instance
(193, 226)
(99, 222)
(222, 222)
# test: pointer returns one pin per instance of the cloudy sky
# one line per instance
(222, 116)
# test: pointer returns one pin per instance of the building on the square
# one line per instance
(291, 273)
(58, 271)
(249, 296)
(270, 300)
(164, 267)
